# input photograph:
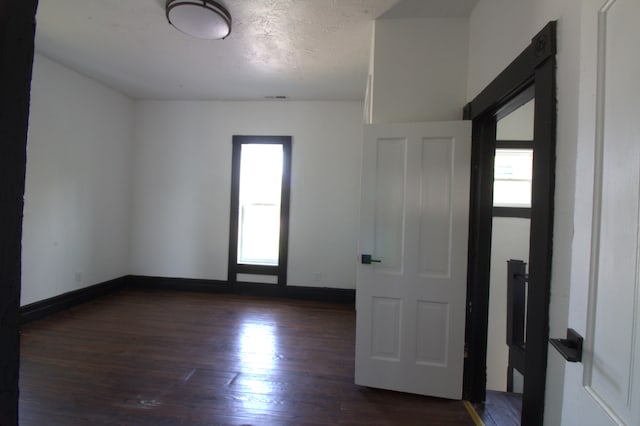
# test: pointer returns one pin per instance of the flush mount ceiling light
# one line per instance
(199, 18)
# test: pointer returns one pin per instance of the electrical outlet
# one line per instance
(317, 277)
(78, 277)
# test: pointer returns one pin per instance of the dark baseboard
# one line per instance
(37, 310)
(325, 294)
(177, 284)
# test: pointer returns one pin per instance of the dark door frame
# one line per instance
(533, 70)
(17, 32)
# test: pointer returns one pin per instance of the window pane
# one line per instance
(512, 178)
(259, 210)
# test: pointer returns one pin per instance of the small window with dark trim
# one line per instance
(259, 225)
(512, 178)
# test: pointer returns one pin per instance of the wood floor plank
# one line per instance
(142, 357)
(500, 409)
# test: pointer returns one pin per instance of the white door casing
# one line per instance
(606, 390)
(414, 219)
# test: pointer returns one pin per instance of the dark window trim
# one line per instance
(521, 212)
(516, 102)
(514, 144)
(533, 70)
(235, 268)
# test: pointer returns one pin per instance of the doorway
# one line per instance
(511, 221)
(530, 76)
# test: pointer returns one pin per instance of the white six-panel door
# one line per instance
(414, 221)
(605, 389)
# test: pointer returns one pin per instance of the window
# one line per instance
(259, 224)
(513, 161)
(512, 178)
(259, 203)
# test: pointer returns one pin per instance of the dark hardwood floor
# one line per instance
(500, 409)
(163, 358)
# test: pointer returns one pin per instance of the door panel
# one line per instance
(385, 343)
(610, 370)
(389, 202)
(414, 221)
(432, 333)
(607, 391)
(436, 210)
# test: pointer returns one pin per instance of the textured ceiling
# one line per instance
(303, 49)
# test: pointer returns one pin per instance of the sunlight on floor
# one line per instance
(258, 344)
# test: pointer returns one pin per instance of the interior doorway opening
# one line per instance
(513, 173)
(530, 76)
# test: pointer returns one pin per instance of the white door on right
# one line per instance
(605, 388)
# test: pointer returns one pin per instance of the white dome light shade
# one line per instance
(199, 18)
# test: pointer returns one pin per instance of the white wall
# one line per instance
(518, 125)
(182, 174)
(500, 30)
(84, 190)
(76, 215)
(420, 69)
